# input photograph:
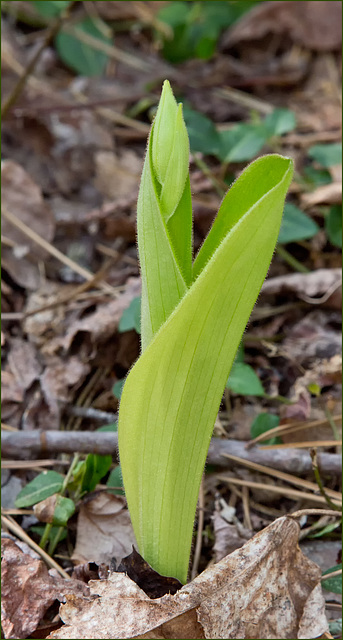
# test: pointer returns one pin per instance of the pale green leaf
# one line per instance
(172, 394)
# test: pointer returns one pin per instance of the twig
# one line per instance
(85, 398)
(312, 512)
(30, 464)
(303, 445)
(294, 494)
(333, 574)
(198, 544)
(291, 428)
(287, 477)
(13, 526)
(85, 286)
(92, 414)
(23, 444)
(244, 99)
(109, 49)
(321, 488)
(49, 36)
(246, 508)
(16, 222)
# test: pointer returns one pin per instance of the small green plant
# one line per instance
(192, 320)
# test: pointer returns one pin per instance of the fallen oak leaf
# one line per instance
(28, 590)
(266, 589)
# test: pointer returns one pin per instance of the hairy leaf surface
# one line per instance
(172, 394)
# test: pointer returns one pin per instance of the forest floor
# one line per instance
(74, 133)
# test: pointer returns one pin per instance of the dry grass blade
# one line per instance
(244, 99)
(7, 427)
(291, 428)
(31, 464)
(87, 275)
(313, 512)
(13, 526)
(305, 484)
(109, 49)
(333, 574)
(304, 445)
(290, 493)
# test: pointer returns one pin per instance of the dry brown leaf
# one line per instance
(104, 530)
(103, 323)
(23, 362)
(11, 390)
(59, 379)
(326, 194)
(117, 177)
(314, 337)
(228, 537)
(266, 589)
(22, 197)
(28, 590)
(315, 25)
(45, 510)
(311, 284)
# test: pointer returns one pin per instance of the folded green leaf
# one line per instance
(42, 486)
(191, 329)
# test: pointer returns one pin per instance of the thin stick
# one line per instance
(313, 512)
(13, 526)
(333, 574)
(16, 222)
(287, 477)
(322, 490)
(198, 544)
(244, 99)
(303, 445)
(30, 464)
(109, 49)
(291, 493)
(246, 508)
(26, 444)
(85, 286)
(291, 428)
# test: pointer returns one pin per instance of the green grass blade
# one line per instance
(171, 396)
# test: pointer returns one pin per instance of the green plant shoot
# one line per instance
(193, 318)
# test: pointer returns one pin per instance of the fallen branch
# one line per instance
(27, 444)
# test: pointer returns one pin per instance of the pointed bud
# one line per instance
(170, 151)
(163, 132)
(177, 170)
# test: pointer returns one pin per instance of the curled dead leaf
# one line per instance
(266, 589)
(28, 590)
(23, 198)
(104, 529)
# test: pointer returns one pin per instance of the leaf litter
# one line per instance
(78, 172)
(220, 603)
